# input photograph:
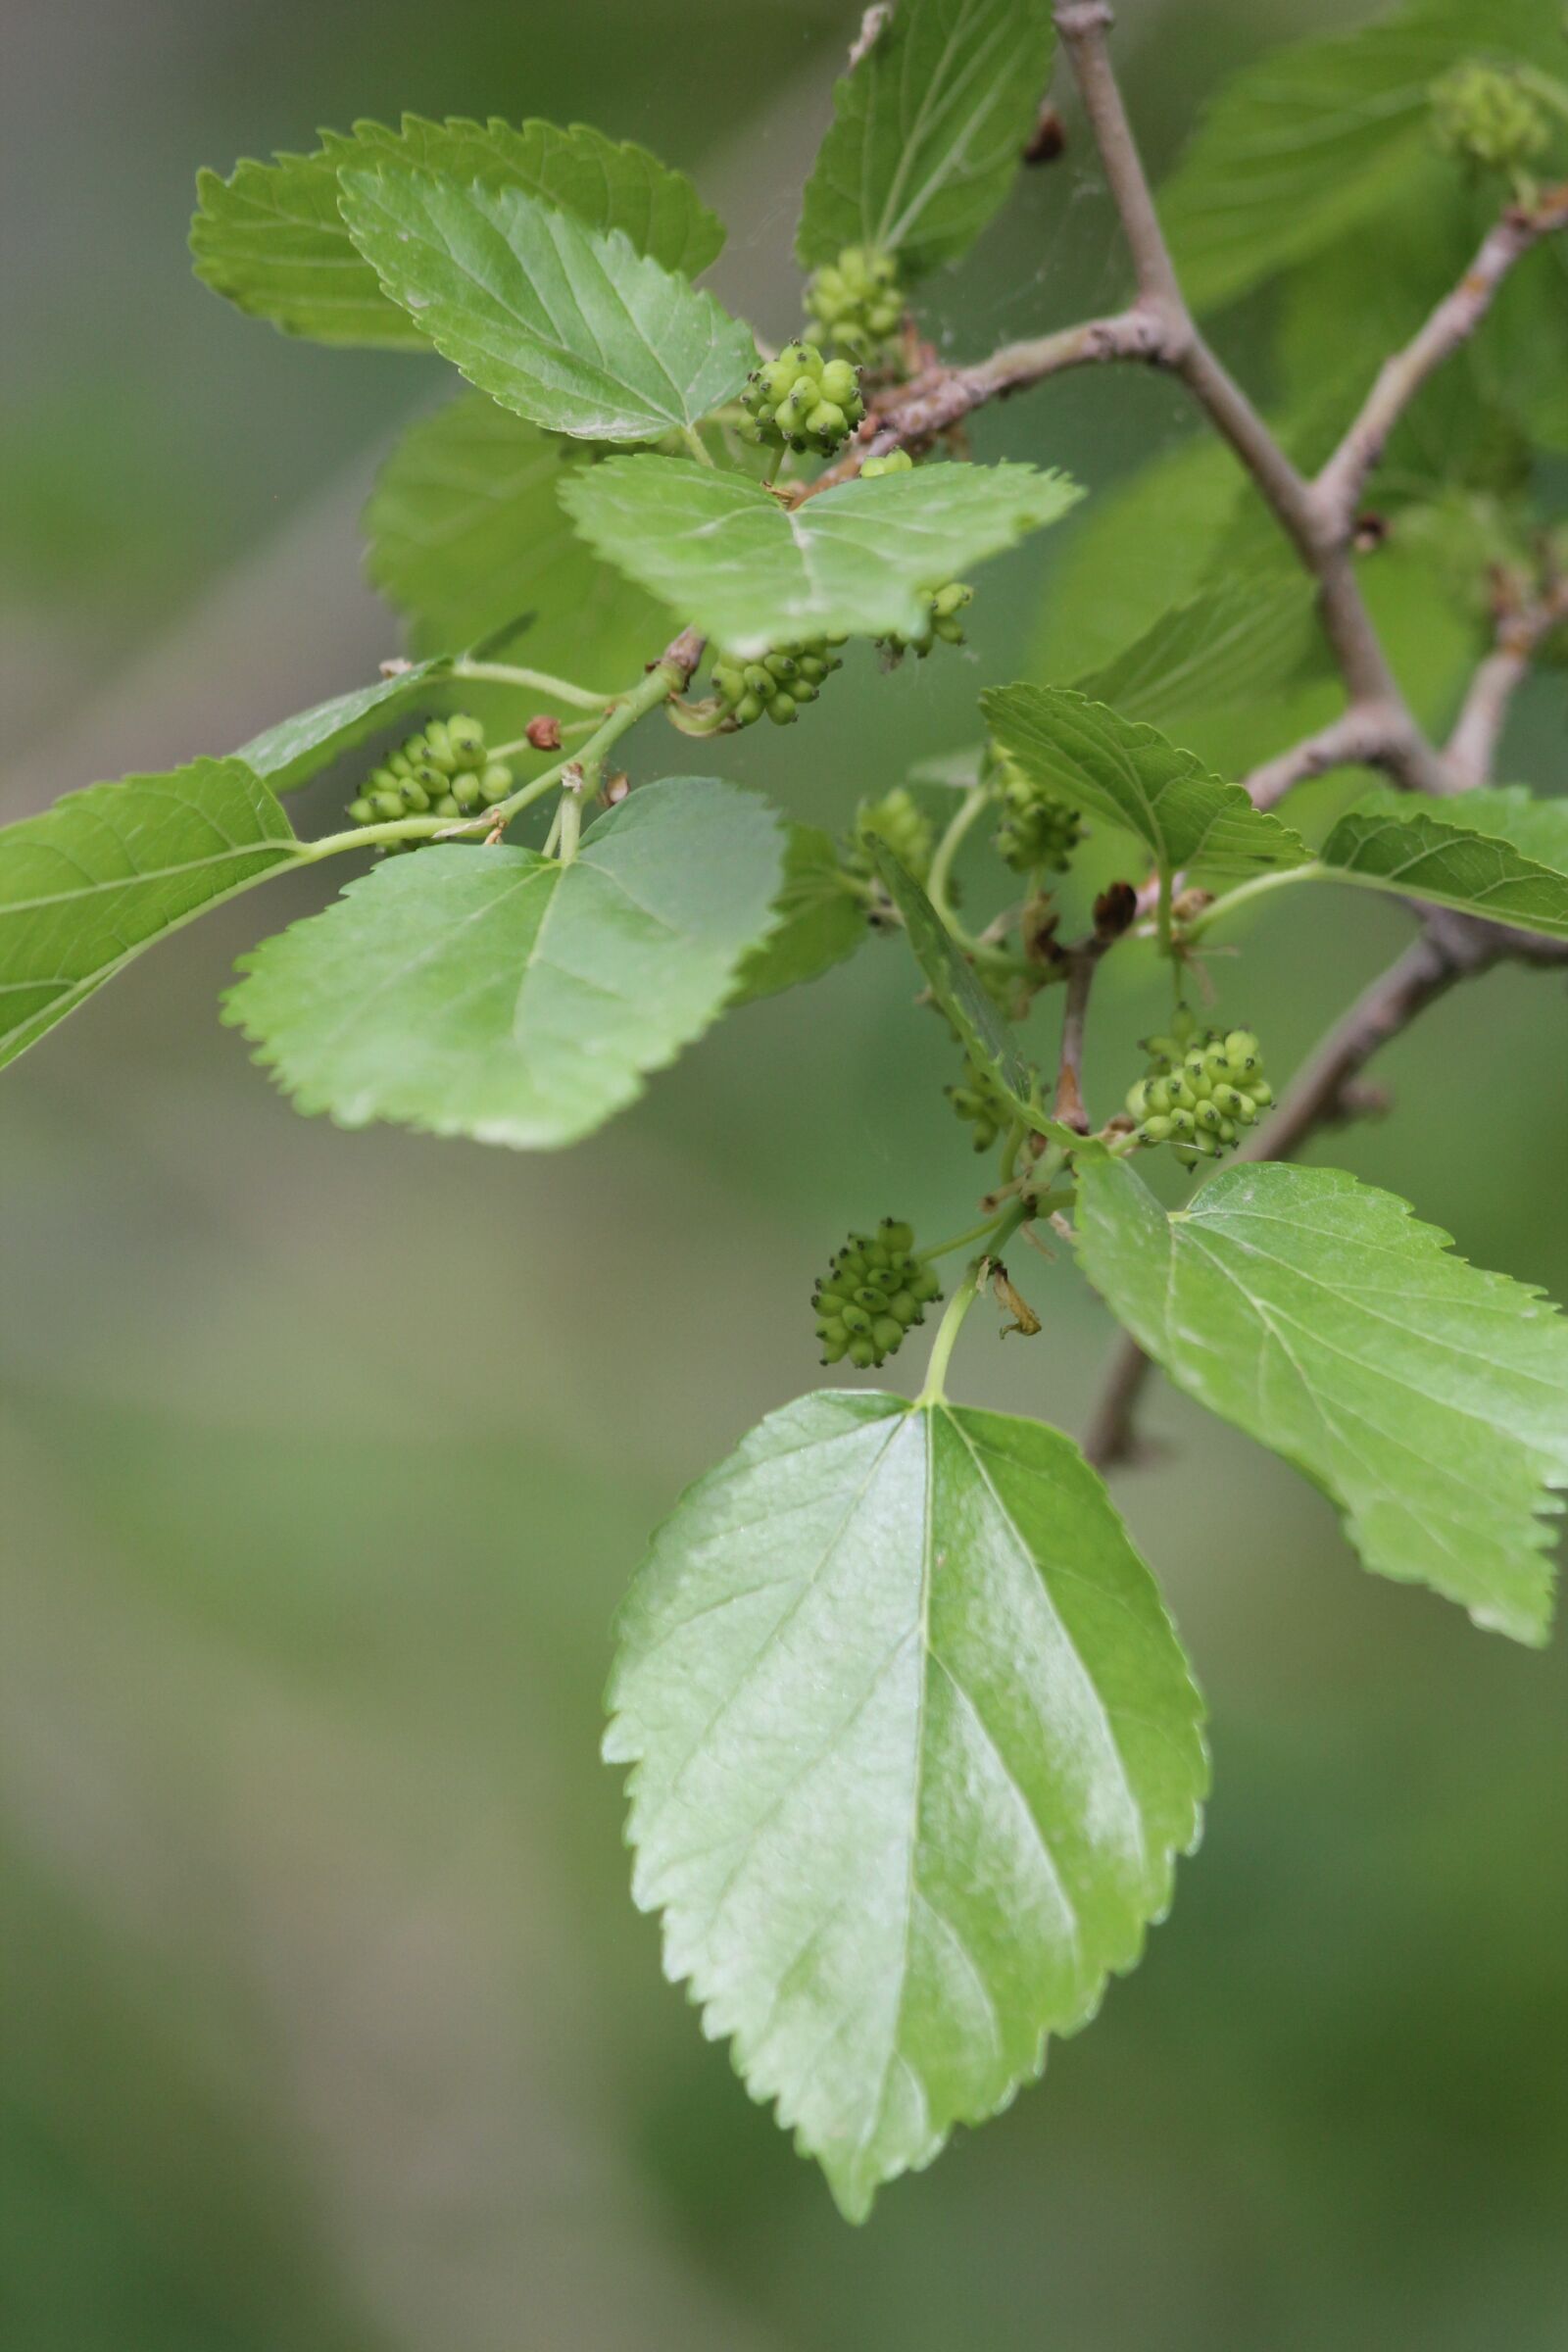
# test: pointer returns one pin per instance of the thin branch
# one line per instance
(1355, 739)
(1082, 964)
(1521, 629)
(1340, 484)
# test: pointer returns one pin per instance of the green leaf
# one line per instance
(1236, 641)
(726, 554)
(1392, 840)
(1128, 772)
(1428, 1399)
(299, 748)
(975, 1020)
(820, 922)
(915, 1748)
(271, 237)
(467, 533)
(104, 872)
(498, 994)
(1538, 828)
(928, 131)
(574, 329)
(1317, 139)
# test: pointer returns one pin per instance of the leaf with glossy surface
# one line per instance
(1314, 139)
(1392, 840)
(1428, 1399)
(1129, 773)
(104, 872)
(915, 1748)
(820, 921)
(299, 748)
(928, 131)
(465, 534)
(572, 328)
(726, 554)
(498, 994)
(271, 237)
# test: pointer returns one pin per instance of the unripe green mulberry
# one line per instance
(943, 607)
(779, 685)
(899, 819)
(980, 1102)
(801, 400)
(444, 770)
(1038, 829)
(896, 460)
(1485, 115)
(1202, 1088)
(875, 1291)
(854, 304)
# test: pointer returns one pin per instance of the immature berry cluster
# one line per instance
(801, 401)
(875, 1291)
(855, 302)
(942, 608)
(779, 685)
(1038, 829)
(896, 460)
(444, 770)
(1201, 1090)
(979, 1102)
(899, 819)
(1484, 114)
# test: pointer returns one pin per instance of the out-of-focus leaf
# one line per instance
(914, 1747)
(501, 995)
(723, 553)
(299, 748)
(1428, 1399)
(928, 131)
(819, 922)
(1238, 641)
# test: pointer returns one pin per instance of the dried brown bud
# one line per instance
(1122, 1124)
(1048, 138)
(1191, 902)
(1024, 1319)
(1037, 930)
(615, 789)
(544, 732)
(1370, 531)
(1115, 910)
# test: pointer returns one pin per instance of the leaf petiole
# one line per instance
(1255, 886)
(963, 1297)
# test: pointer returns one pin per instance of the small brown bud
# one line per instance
(1191, 902)
(1370, 533)
(1121, 1125)
(544, 732)
(1048, 138)
(615, 789)
(1115, 910)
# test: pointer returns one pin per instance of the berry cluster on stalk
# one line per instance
(776, 686)
(853, 303)
(875, 1291)
(445, 770)
(1201, 1090)
(1038, 830)
(801, 400)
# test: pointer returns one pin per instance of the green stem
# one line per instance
(1162, 912)
(538, 681)
(1257, 888)
(936, 889)
(697, 445)
(959, 1305)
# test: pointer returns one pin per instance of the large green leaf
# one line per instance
(820, 921)
(749, 571)
(465, 533)
(104, 872)
(1316, 139)
(915, 1748)
(1235, 641)
(1429, 1400)
(974, 1019)
(574, 329)
(273, 239)
(1130, 773)
(299, 748)
(1536, 827)
(498, 994)
(1392, 840)
(928, 130)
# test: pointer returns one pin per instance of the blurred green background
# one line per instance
(328, 2023)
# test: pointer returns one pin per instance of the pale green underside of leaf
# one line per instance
(975, 1020)
(914, 1747)
(928, 131)
(725, 555)
(1234, 642)
(271, 237)
(465, 533)
(496, 994)
(819, 922)
(1314, 139)
(1453, 857)
(104, 872)
(572, 328)
(299, 748)
(1429, 1400)
(1129, 773)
